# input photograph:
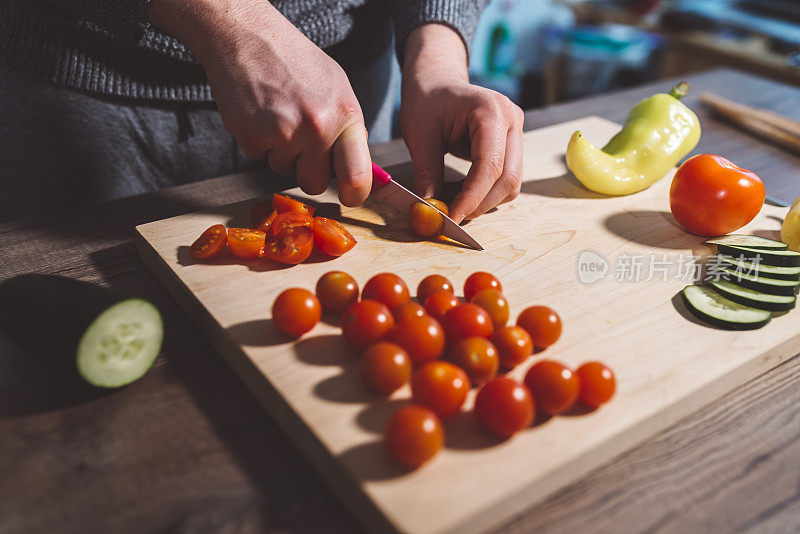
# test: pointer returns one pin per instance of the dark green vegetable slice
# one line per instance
(757, 283)
(714, 309)
(757, 269)
(754, 299)
(751, 241)
(778, 258)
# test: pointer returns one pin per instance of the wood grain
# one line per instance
(188, 449)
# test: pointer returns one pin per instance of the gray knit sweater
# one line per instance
(103, 46)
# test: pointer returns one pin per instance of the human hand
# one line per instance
(442, 112)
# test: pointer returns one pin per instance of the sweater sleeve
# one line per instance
(120, 18)
(460, 15)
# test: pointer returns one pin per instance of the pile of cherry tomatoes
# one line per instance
(285, 230)
(443, 347)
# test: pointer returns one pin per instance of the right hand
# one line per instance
(280, 96)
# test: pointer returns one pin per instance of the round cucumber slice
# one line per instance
(777, 258)
(754, 299)
(760, 270)
(714, 309)
(752, 241)
(763, 285)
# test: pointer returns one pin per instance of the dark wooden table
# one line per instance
(188, 449)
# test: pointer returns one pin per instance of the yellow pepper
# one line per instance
(658, 132)
(790, 230)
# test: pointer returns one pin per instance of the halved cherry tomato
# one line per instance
(439, 303)
(554, 386)
(288, 219)
(337, 291)
(478, 357)
(246, 243)
(282, 204)
(385, 367)
(504, 406)
(409, 309)
(431, 284)
(425, 220)
(387, 288)
(210, 244)
(296, 311)
(598, 383)
(413, 436)
(467, 320)
(422, 337)
(478, 282)
(366, 322)
(260, 211)
(494, 303)
(438, 204)
(266, 224)
(440, 386)
(292, 246)
(331, 237)
(542, 323)
(514, 345)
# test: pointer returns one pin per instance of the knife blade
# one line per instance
(387, 191)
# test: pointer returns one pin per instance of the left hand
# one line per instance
(442, 112)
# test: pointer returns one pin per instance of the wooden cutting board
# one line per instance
(540, 246)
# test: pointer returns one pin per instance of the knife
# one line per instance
(387, 191)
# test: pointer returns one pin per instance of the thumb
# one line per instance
(427, 156)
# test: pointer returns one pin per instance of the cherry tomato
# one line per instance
(542, 323)
(260, 211)
(245, 243)
(494, 303)
(711, 196)
(385, 367)
(337, 291)
(598, 383)
(554, 386)
(266, 224)
(514, 345)
(288, 219)
(409, 309)
(422, 337)
(440, 386)
(431, 284)
(504, 406)
(366, 322)
(478, 282)
(425, 220)
(282, 204)
(467, 320)
(439, 303)
(438, 204)
(478, 357)
(413, 436)
(292, 246)
(296, 311)
(210, 244)
(387, 288)
(331, 237)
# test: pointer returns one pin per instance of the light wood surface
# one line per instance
(667, 364)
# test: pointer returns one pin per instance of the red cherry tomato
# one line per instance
(409, 309)
(504, 406)
(282, 204)
(598, 384)
(467, 320)
(210, 244)
(246, 243)
(366, 322)
(413, 435)
(292, 246)
(385, 367)
(260, 211)
(422, 337)
(425, 220)
(514, 345)
(331, 237)
(431, 284)
(494, 303)
(542, 323)
(296, 311)
(478, 357)
(478, 282)
(440, 386)
(554, 386)
(337, 291)
(387, 288)
(266, 224)
(288, 219)
(711, 196)
(439, 303)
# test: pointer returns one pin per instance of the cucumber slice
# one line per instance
(751, 241)
(757, 283)
(754, 299)
(760, 270)
(777, 258)
(714, 309)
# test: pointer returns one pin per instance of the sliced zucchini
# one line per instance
(754, 299)
(758, 269)
(751, 241)
(757, 283)
(777, 258)
(714, 309)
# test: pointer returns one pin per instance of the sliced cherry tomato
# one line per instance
(296, 311)
(554, 386)
(542, 323)
(331, 237)
(282, 204)
(366, 322)
(288, 219)
(260, 211)
(292, 246)
(266, 224)
(598, 383)
(422, 337)
(504, 406)
(440, 386)
(438, 204)
(478, 357)
(425, 220)
(514, 345)
(431, 284)
(337, 291)
(246, 243)
(413, 436)
(494, 303)
(467, 320)
(409, 309)
(478, 282)
(385, 367)
(439, 303)
(387, 288)
(210, 244)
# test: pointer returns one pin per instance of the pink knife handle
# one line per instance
(379, 176)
